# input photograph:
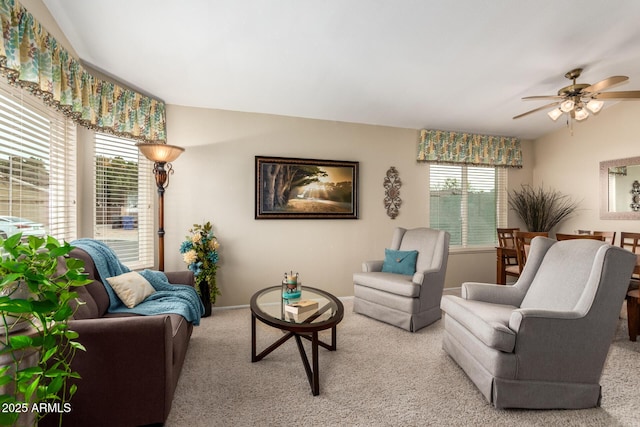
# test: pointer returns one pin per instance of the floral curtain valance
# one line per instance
(31, 58)
(467, 148)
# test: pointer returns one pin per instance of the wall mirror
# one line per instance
(620, 189)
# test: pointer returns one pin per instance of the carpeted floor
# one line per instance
(379, 376)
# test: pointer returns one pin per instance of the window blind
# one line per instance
(123, 200)
(469, 202)
(37, 166)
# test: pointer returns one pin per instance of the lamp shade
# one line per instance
(595, 105)
(581, 114)
(567, 105)
(555, 113)
(160, 153)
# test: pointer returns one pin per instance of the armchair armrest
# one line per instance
(185, 277)
(528, 315)
(420, 277)
(560, 345)
(489, 292)
(371, 266)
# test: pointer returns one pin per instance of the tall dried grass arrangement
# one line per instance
(541, 209)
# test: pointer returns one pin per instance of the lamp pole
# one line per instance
(161, 155)
(161, 174)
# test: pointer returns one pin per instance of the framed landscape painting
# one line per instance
(288, 188)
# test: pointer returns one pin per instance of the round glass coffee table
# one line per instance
(268, 306)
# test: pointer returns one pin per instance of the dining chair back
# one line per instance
(562, 236)
(507, 243)
(631, 242)
(507, 237)
(523, 242)
(609, 236)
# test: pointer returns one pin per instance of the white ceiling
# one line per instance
(441, 64)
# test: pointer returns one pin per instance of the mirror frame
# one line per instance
(604, 189)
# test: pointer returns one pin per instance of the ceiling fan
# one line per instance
(577, 98)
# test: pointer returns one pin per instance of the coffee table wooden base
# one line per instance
(312, 369)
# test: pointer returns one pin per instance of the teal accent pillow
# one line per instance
(400, 262)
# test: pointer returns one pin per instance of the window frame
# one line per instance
(21, 107)
(501, 175)
(145, 201)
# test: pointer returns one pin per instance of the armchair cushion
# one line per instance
(486, 321)
(400, 262)
(398, 284)
(131, 288)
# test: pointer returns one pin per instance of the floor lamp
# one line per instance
(161, 155)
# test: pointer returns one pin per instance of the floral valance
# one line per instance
(467, 148)
(31, 58)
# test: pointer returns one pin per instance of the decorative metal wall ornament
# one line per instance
(635, 196)
(392, 200)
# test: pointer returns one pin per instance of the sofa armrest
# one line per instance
(128, 359)
(185, 277)
(371, 266)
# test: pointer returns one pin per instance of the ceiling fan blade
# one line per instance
(553, 104)
(544, 97)
(630, 94)
(603, 84)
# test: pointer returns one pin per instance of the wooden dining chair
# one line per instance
(631, 242)
(562, 236)
(523, 242)
(507, 248)
(609, 236)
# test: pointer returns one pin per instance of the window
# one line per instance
(469, 202)
(123, 200)
(37, 167)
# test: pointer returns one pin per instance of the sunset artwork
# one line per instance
(303, 188)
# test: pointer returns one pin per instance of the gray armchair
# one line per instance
(542, 342)
(410, 301)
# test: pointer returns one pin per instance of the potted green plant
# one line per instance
(200, 253)
(541, 209)
(37, 289)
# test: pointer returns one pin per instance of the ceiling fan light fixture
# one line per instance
(581, 114)
(554, 114)
(567, 105)
(595, 105)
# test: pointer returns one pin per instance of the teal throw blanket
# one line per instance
(168, 298)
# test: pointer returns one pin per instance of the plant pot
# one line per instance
(205, 296)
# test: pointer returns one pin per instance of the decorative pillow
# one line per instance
(131, 288)
(400, 262)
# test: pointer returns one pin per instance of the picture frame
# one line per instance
(294, 188)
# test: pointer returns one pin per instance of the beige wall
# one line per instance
(570, 164)
(43, 16)
(214, 181)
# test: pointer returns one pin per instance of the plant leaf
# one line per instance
(18, 342)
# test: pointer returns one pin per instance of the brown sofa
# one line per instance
(132, 364)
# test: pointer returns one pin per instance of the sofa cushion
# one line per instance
(131, 288)
(486, 321)
(398, 284)
(94, 291)
(400, 262)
